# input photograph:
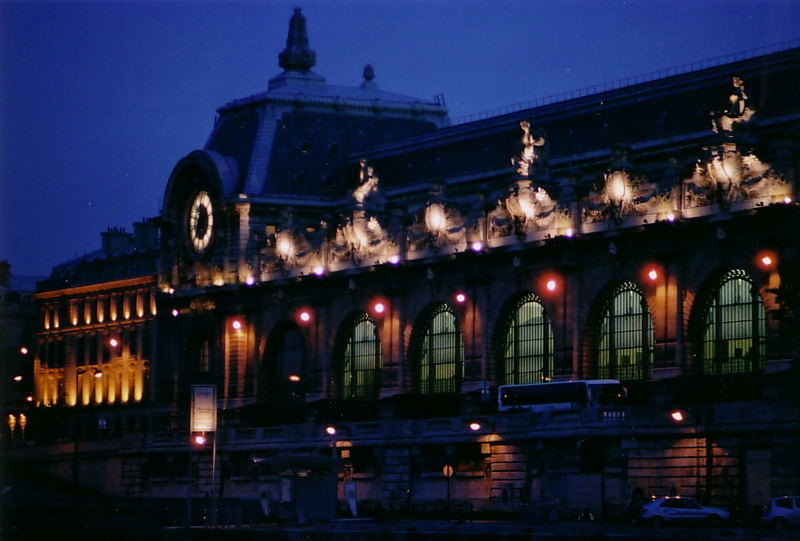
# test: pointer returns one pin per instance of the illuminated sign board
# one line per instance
(204, 408)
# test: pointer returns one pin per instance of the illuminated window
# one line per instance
(441, 353)
(236, 352)
(203, 358)
(88, 309)
(528, 345)
(734, 327)
(624, 337)
(361, 361)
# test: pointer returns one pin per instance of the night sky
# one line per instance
(100, 100)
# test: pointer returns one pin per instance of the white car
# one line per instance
(681, 510)
(784, 511)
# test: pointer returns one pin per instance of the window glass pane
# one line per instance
(734, 338)
(441, 356)
(361, 362)
(528, 348)
(624, 337)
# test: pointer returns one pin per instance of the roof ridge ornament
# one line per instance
(297, 56)
(369, 75)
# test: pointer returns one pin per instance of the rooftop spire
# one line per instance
(297, 56)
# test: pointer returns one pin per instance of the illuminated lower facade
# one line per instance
(96, 344)
(370, 299)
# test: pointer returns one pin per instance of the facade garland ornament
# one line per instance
(623, 192)
(530, 207)
(436, 225)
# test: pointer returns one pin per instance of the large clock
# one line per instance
(200, 222)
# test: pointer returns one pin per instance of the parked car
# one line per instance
(681, 510)
(784, 511)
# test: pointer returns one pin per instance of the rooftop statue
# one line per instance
(368, 183)
(737, 111)
(530, 140)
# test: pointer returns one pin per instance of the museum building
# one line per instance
(356, 276)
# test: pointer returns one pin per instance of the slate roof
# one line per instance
(293, 138)
(641, 116)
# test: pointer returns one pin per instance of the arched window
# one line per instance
(361, 361)
(282, 377)
(441, 353)
(528, 344)
(734, 327)
(624, 337)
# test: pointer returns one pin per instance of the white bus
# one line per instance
(561, 395)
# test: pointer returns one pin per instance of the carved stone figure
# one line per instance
(368, 183)
(523, 163)
(737, 111)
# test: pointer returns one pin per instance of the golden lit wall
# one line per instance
(105, 344)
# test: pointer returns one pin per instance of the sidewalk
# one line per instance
(407, 530)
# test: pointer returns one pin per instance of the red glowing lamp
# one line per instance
(767, 259)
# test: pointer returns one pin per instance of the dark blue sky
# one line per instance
(100, 100)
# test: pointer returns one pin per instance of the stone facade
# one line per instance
(344, 258)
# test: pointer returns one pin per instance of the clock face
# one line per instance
(200, 222)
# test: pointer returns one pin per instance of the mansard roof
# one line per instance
(646, 117)
(292, 139)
